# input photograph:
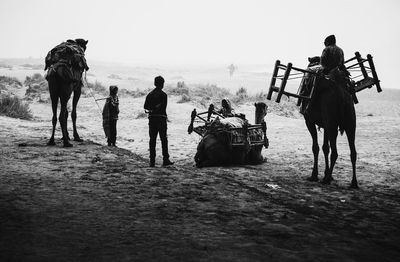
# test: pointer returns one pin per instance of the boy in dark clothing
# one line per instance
(110, 116)
(156, 105)
(226, 109)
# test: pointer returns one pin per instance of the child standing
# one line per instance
(110, 116)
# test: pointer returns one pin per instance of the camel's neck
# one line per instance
(259, 118)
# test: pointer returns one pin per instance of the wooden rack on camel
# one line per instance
(368, 72)
(236, 130)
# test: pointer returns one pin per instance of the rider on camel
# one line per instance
(332, 56)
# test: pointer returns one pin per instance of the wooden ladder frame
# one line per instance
(368, 81)
(281, 89)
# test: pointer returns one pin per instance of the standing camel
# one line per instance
(213, 149)
(332, 108)
(62, 81)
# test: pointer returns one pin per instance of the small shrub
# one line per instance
(136, 93)
(37, 86)
(241, 95)
(180, 89)
(206, 94)
(114, 76)
(95, 87)
(184, 99)
(7, 82)
(260, 97)
(33, 66)
(34, 79)
(12, 106)
(9, 67)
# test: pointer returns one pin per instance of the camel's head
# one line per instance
(82, 43)
(261, 112)
(315, 60)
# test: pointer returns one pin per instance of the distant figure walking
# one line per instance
(232, 68)
(156, 105)
(110, 116)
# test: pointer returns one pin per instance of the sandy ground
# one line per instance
(96, 203)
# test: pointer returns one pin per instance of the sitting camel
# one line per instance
(214, 149)
(331, 108)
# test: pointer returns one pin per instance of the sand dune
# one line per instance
(93, 202)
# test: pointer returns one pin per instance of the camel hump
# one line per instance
(232, 121)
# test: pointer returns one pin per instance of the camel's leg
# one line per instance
(254, 157)
(66, 119)
(353, 155)
(63, 120)
(334, 154)
(75, 99)
(325, 149)
(202, 160)
(315, 148)
(54, 103)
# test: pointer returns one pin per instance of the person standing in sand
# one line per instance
(110, 116)
(156, 106)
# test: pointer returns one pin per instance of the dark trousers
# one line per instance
(158, 125)
(113, 132)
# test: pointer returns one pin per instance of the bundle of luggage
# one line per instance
(233, 132)
(71, 56)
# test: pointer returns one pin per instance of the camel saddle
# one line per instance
(233, 131)
(69, 56)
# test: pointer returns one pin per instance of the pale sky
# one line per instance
(205, 31)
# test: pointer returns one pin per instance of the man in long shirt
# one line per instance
(332, 55)
(156, 105)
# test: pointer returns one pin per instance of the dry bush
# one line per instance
(184, 99)
(208, 94)
(9, 67)
(180, 89)
(34, 79)
(114, 76)
(240, 96)
(37, 86)
(96, 87)
(7, 82)
(33, 66)
(135, 93)
(13, 106)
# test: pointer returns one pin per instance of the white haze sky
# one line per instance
(205, 31)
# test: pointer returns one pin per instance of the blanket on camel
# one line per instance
(69, 55)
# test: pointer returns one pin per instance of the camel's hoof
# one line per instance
(354, 186)
(327, 174)
(67, 144)
(326, 181)
(78, 139)
(313, 179)
(51, 142)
